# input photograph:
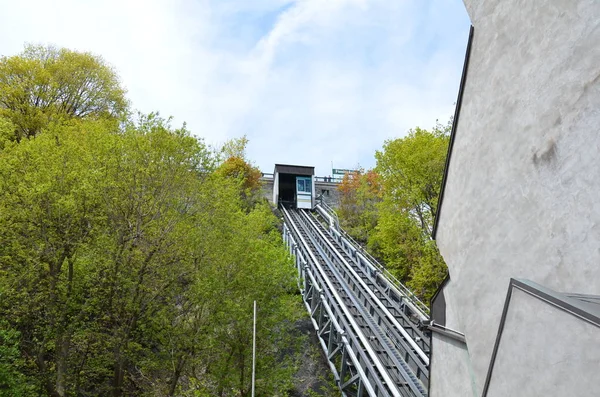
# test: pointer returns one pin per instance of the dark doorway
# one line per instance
(287, 189)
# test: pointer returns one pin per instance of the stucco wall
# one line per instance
(545, 351)
(523, 187)
(451, 372)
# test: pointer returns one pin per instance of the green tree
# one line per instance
(7, 130)
(359, 194)
(407, 250)
(132, 252)
(132, 265)
(13, 382)
(249, 266)
(48, 84)
(150, 199)
(235, 147)
(246, 176)
(237, 167)
(412, 168)
(48, 213)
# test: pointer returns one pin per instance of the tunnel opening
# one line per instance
(287, 189)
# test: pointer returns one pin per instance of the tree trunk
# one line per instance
(63, 343)
(63, 339)
(40, 360)
(176, 375)
(118, 374)
(242, 367)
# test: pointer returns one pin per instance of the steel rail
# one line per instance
(340, 376)
(419, 307)
(393, 338)
(389, 296)
(387, 383)
(401, 308)
(388, 315)
(306, 274)
(379, 336)
(384, 382)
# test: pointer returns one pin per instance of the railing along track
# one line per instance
(371, 347)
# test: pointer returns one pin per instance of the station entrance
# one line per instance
(293, 186)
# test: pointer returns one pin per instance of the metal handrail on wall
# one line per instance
(269, 175)
(330, 179)
(330, 211)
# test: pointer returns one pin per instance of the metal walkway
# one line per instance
(368, 324)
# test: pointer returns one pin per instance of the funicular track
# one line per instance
(370, 334)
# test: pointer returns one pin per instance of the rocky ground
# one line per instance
(313, 377)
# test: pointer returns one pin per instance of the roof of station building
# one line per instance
(294, 169)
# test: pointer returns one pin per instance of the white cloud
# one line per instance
(309, 81)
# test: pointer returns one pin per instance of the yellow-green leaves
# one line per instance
(360, 192)
(7, 132)
(129, 264)
(47, 84)
(128, 260)
(411, 169)
(392, 207)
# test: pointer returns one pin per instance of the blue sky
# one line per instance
(309, 82)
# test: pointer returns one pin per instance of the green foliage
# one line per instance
(131, 252)
(391, 209)
(13, 383)
(7, 130)
(46, 84)
(359, 194)
(426, 277)
(397, 240)
(235, 147)
(132, 265)
(235, 166)
(411, 169)
(407, 251)
(247, 177)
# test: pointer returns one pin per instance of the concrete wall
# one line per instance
(522, 192)
(451, 372)
(532, 359)
(330, 192)
(269, 186)
(275, 188)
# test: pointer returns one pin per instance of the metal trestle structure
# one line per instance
(368, 324)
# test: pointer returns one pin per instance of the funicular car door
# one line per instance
(303, 192)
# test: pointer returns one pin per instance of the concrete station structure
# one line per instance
(282, 186)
